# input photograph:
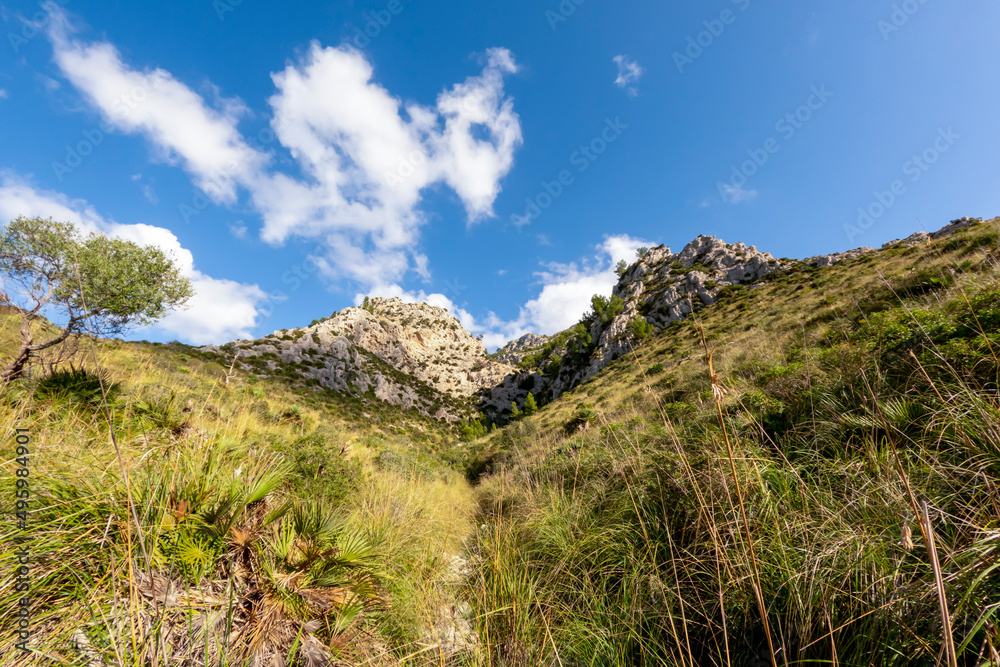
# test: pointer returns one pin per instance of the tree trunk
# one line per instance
(15, 369)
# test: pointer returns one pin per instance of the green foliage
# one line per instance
(368, 305)
(963, 333)
(621, 268)
(77, 387)
(123, 284)
(94, 284)
(319, 469)
(515, 412)
(530, 405)
(472, 429)
(640, 328)
(642, 252)
(553, 367)
(604, 309)
(581, 419)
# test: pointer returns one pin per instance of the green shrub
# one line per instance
(640, 328)
(582, 419)
(319, 468)
(77, 387)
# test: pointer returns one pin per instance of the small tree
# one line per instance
(622, 268)
(515, 413)
(85, 284)
(642, 252)
(604, 308)
(553, 367)
(640, 328)
(530, 406)
(471, 429)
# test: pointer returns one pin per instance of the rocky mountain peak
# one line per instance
(658, 288)
(410, 354)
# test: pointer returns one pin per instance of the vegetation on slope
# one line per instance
(777, 509)
(781, 511)
(198, 517)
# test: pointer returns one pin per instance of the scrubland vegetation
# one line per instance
(805, 472)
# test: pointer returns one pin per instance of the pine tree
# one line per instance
(530, 406)
(515, 413)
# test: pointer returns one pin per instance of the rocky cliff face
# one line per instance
(412, 355)
(513, 352)
(661, 287)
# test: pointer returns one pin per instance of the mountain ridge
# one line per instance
(419, 356)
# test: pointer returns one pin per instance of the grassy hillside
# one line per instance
(658, 515)
(198, 521)
(805, 472)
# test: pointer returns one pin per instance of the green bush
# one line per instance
(319, 468)
(77, 387)
(584, 416)
(640, 328)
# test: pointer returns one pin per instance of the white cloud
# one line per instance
(219, 311)
(238, 229)
(368, 157)
(3, 94)
(178, 123)
(150, 194)
(734, 194)
(629, 72)
(364, 156)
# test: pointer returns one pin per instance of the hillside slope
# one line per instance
(752, 481)
(776, 478)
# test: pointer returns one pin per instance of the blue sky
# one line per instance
(496, 159)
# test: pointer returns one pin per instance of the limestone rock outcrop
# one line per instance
(411, 355)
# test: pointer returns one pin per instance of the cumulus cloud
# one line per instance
(368, 157)
(180, 125)
(629, 72)
(238, 229)
(219, 311)
(364, 156)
